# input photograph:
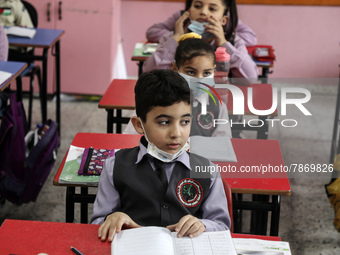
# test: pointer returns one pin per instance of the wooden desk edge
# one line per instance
(264, 66)
(56, 183)
(261, 192)
(139, 58)
(58, 38)
(116, 107)
(233, 190)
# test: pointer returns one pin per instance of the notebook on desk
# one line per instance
(158, 240)
(150, 48)
(4, 76)
(20, 31)
(144, 49)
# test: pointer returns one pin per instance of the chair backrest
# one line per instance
(229, 197)
(32, 12)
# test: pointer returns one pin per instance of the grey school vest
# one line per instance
(203, 125)
(141, 192)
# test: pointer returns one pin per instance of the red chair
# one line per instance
(229, 196)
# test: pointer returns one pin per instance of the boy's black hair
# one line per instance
(230, 10)
(159, 88)
(193, 47)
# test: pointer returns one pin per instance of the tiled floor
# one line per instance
(306, 215)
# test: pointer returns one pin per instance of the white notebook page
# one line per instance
(208, 243)
(143, 241)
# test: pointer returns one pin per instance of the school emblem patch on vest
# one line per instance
(205, 121)
(189, 192)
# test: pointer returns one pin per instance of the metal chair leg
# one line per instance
(34, 71)
(30, 100)
(38, 74)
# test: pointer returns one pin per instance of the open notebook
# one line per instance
(158, 240)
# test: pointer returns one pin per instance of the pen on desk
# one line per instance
(76, 251)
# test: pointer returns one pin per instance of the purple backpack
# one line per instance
(25, 165)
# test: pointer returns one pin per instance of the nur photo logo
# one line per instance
(300, 96)
(204, 103)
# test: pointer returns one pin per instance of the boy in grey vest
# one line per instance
(155, 184)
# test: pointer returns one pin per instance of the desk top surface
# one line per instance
(15, 68)
(44, 38)
(249, 152)
(120, 95)
(34, 237)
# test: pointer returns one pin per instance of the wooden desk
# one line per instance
(249, 152)
(12, 67)
(34, 237)
(45, 39)
(140, 57)
(252, 154)
(120, 96)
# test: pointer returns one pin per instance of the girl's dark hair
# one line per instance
(230, 10)
(159, 88)
(192, 47)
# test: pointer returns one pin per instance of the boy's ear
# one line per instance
(224, 20)
(136, 122)
(173, 67)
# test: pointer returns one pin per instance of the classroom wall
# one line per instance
(306, 38)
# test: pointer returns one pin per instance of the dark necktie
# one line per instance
(160, 171)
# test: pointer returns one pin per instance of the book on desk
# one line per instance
(70, 175)
(4, 76)
(149, 48)
(20, 31)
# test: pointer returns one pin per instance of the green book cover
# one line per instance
(140, 48)
(69, 175)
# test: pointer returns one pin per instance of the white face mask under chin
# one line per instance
(157, 153)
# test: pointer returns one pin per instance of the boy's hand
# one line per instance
(113, 224)
(188, 226)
